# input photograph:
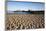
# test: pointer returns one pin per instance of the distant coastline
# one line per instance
(26, 12)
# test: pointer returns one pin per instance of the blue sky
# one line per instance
(11, 6)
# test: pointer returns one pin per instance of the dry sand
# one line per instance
(24, 21)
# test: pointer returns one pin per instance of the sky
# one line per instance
(28, 0)
(13, 6)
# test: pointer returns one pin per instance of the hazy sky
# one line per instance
(24, 6)
(28, 0)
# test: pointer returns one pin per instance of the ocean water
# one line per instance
(25, 12)
(19, 12)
